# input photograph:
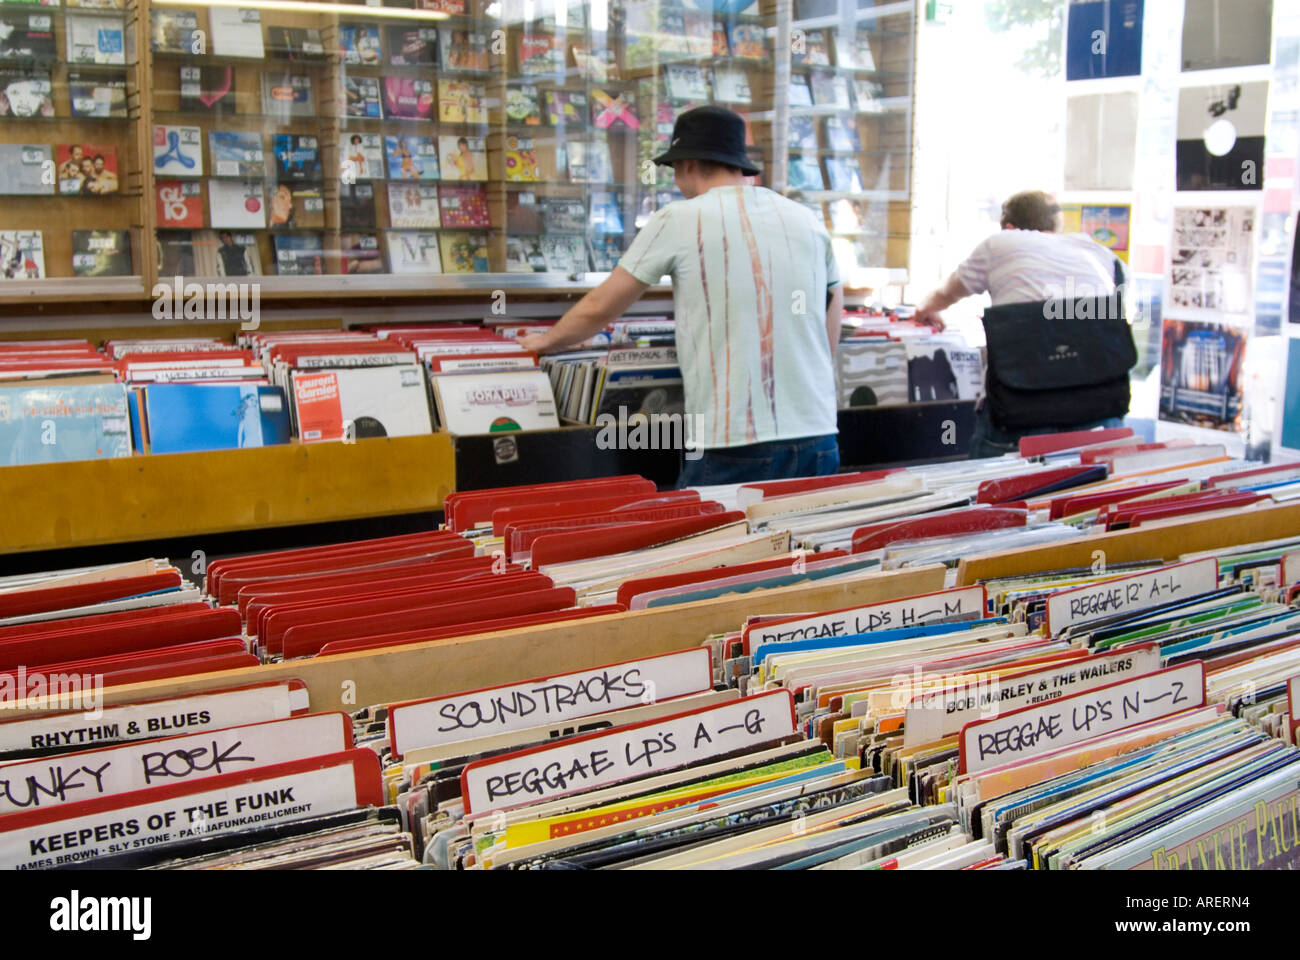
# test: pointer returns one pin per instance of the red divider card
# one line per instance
(472, 714)
(1107, 454)
(1245, 478)
(275, 586)
(623, 753)
(576, 507)
(79, 644)
(180, 668)
(353, 560)
(558, 547)
(463, 362)
(754, 492)
(1067, 505)
(632, 588)
(138, 765)
(1035, 730)
(1036, 483)
(473, 508)
(467, 629)
(122, 661)
(306, 640)
(1132, 514)
(1045, 443)
(218, 567)
(520, 536)
(948, 523)
(260, 608)
(120, 618)
(25, 602)
(279, 619)
(279, 793)
(143, 719)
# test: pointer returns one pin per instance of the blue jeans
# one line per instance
(989, 441)
(774, 460)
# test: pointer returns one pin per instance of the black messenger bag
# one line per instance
(1058, 363)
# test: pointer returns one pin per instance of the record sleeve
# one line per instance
(298, 254)
(463, 158)
(22, 255)
(412, 252)
(101, 253)
(27, 169)
(177, 151)
(413, 205)
(179, 204)
(26, 94)
(363, 157)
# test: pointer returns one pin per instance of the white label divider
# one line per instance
(1131, 593)
(942, 713)
(530, 703)
(156, 718)
(69, 777)
(907, 612)
(282, 793)
(623, 753)
(1032, 731)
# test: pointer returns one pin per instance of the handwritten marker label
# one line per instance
(69, 777)
(1131, 593)
(531, 703)
(610, 756)
(933, 716)
(158, 718)
(35, 839)
(907, 612)
(1035, 730)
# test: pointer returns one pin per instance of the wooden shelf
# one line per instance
(89, 502)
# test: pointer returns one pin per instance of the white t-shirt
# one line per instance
(1026, 266)
(750, 272)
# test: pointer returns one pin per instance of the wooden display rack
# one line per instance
(437, 667)
(83, 503)
(349, 681)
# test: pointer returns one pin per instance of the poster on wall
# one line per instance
(1226, 33)
(1101, 141)
(1288, 435)
(1106, 223)
(1201, 375)
(1293, 300)
(1210, 261)
(1221, 136)
(1103, 38)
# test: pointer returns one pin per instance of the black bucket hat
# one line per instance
(709, 133)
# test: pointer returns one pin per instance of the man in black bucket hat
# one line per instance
(757, 305)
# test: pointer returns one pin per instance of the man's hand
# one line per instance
(537, 343)
(928, 317)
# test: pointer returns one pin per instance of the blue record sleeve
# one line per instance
(187, 417)
(51, 423)
(1103, 39)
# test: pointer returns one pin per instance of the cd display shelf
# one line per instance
(466, 663)
(149, 498)
(322, 82)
